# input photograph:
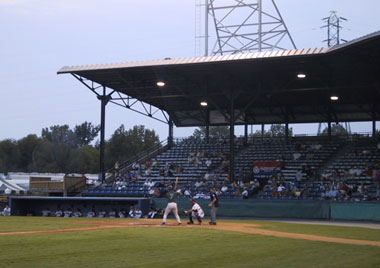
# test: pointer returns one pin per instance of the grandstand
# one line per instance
(278, 87)
(243, 89)
(319, 159)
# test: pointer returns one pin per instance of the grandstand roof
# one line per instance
(264, 85)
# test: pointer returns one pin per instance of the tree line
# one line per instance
(61, 149)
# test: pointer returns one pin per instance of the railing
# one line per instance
(146, 154)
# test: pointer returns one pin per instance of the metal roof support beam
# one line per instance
(329, 129)
(170, 137)
(232, 139)
(286, 132)
(104, 99)
(374, 129)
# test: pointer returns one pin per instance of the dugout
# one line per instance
(33, 205)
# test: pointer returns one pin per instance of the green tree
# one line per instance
(215, 133)
(125, 144)
(9, 156)
(59, 134)
(27, 147)
(275, 131)
(85, 133)
(336, 130)
(84, 160)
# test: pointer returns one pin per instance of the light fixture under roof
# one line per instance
(334, 97)
(301, 75)
(203, 103)
(160, 83)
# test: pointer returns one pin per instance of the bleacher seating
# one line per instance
(319, 155)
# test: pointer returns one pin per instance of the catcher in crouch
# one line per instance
(196, 211)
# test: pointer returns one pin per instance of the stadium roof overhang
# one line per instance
(263, 87)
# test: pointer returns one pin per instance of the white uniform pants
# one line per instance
(171, 207)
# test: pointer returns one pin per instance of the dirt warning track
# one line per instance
(225, 226)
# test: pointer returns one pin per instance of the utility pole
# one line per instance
(333, 25)
(241, 26)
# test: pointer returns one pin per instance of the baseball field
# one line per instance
(81, 242)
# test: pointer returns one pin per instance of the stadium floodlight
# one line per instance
(334, 97)
(204, 103)
(160, 83)
(301, 75)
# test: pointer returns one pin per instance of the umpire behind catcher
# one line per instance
(214, 204)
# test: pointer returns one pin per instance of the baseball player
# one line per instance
(214, 204)
(172, 203)
(196, 211)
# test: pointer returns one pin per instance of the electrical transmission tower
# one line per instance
(243, 26)
(333, 25)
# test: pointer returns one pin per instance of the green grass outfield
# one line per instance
(155, 246)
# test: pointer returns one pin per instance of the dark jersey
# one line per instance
(172, 196)
(213, 196)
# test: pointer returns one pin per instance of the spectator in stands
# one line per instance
(178, 169)
(378, 192)
(197, 162)
(67, 213)
(237, 192)
(198, 184)
(191, 158)
(187, 193)
(224, 188)
(245, 193)
(117, 169)
(147, 164)
(162, 172)
(7, 211)
(136, 166)
(333, 193)
(208, 163)
(225, 165)
(362, 189)
(296, 156)
(46, 212)
(281, 190)
(146, 183)
(155, 163)
(148, 172)
(151, 191)
(77, 213)
(305, 192)
(255, 185)
(298, 176)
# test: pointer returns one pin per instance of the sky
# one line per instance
(38, 37)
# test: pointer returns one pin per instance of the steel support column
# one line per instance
(286, 132)
(262, 131)
(170, 136)
(103, 100)
(374, 129)
(245, 134)
(232, 139)
(207, 133)
(329, 130)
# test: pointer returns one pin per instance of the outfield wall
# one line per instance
(368, 211)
